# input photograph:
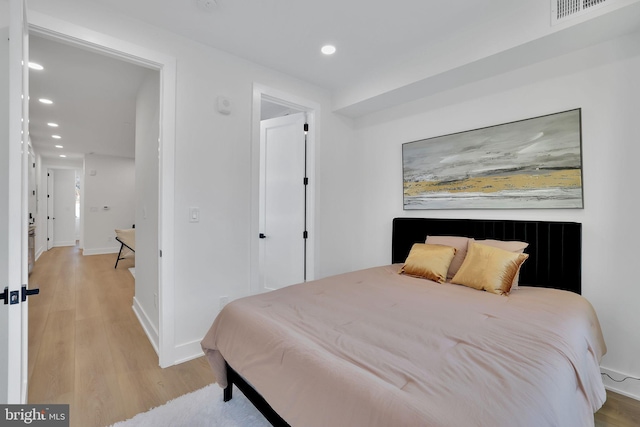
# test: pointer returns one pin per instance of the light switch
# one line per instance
(194, 214)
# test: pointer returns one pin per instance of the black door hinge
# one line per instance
(306, 127)
(305, 234)
(305, 181)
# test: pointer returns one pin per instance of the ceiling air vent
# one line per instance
(561, 10)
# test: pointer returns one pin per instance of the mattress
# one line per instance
(375, 348)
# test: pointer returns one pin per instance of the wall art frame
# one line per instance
(534, 163)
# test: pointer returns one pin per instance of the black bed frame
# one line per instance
(555, 253)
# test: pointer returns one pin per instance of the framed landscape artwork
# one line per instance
(532, 163)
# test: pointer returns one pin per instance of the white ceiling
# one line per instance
(286, 35)
(94, 101)
(388, 52)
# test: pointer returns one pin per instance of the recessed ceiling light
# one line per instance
(53, 125)
(63, 155)
(35, 66)
(45, 101)
(208, 5)
(59, 146)
(328, 49)
(56, 137)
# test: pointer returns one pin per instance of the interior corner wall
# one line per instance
(146, 204)
(602, 81)
(109, 192)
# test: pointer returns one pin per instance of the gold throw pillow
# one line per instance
(429, 261)
(489, 268)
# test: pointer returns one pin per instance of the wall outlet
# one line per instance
(223, 301)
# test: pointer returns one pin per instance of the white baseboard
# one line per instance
(64, 243)
(189, 351)
(100, 251)
(147, 325)
(39, 252)
(629, 388)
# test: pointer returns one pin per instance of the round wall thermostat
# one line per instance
(224, 105)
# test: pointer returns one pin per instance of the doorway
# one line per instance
(165, 66)
(283, 201)
(285, 114)
(62, 213)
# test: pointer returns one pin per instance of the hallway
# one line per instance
(87, 348)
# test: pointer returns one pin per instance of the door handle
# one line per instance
(262, 236)
(26, 292)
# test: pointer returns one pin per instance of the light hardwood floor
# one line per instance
(87, 348)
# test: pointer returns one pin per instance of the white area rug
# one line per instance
(132, 270)
(202, 408)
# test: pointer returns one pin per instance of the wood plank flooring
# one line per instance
(87, 348)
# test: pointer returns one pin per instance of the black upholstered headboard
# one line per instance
(555, 248)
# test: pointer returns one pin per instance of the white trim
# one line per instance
(188, 351)
(313, 118)
(64, 243)
(100, 251)
(70, 33)
(629, 388)
(147, 324)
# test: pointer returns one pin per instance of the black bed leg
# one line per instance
(228, 393)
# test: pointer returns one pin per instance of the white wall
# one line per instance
(213, 168)
(147, 126)
(601, 80)
(108, 181)
(64, 205)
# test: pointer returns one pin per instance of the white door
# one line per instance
(282, 251)
(50, 208)
(13, 205)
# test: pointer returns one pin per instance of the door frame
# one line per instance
(75, 35)
(51, 196)
(14, 358)
(260, 93)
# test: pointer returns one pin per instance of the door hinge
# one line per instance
(305, 234)
(160, 253)
(306, 127)
(305, 181)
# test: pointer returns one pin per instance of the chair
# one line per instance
(127, 239)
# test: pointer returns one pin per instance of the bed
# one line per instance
(378, 348)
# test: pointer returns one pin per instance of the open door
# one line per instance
(283, 201)
(50, 215)
(14, 223)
